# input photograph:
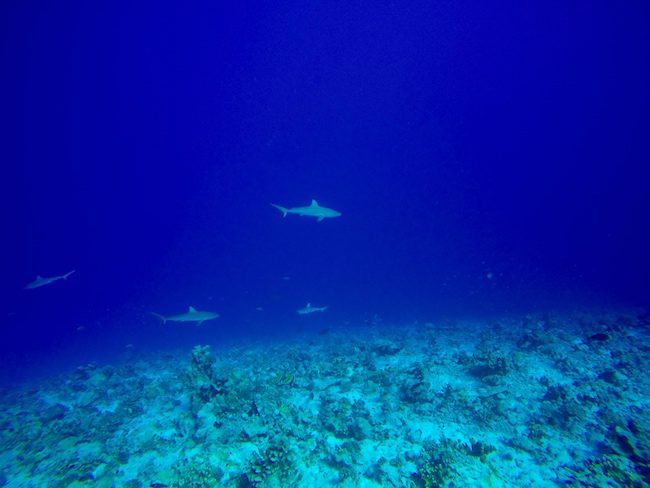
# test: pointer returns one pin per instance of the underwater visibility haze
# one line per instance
(325, 244)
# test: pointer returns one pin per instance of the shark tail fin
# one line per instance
(281, 209)
(65, 276)
(164, 320)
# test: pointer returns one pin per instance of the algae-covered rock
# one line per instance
(450, 463)
(201, 377)
(201, 364)
(273, 468)
(197, 472)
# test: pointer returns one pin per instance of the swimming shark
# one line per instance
(307, 309)
(40, 281)
(313, 210)
(192, 315)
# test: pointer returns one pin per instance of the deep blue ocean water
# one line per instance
(487, 159)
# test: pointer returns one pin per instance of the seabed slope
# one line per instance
(559, 400)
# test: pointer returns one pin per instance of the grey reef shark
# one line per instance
(307, 309)
(192, 315)
(40, 281)
(313, 210)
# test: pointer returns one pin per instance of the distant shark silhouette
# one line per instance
(40, 281)
(192, 315)
(313, 210)
(307, 309)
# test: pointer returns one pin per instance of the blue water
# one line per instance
(487, 160)
(487, 283)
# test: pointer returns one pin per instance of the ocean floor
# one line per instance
(544, 400)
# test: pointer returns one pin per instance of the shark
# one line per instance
(307, 309)
(313, 210)
(40, 281)
(192, 315)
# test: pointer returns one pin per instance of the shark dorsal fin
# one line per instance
(39, 277)
(192, 309)
(308, 305)
(314, 203)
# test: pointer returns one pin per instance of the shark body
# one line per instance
(40, 281)
(313, 210)
(192, 315)
(307, 309)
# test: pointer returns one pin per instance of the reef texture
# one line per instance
(552, 400)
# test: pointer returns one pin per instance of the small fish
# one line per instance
(40, 281)
(307, 309)
(192, 315)
(313, 210)
(259, 309)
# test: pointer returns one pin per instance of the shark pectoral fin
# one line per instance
(320, 219)
(199, 323)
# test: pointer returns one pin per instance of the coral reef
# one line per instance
(531, 401)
